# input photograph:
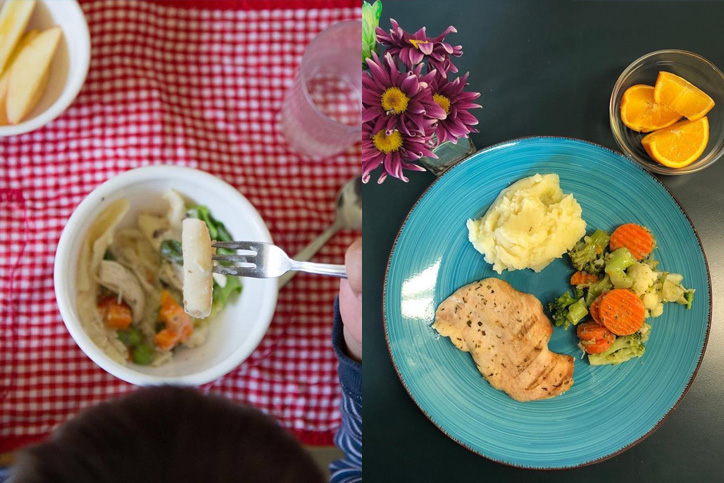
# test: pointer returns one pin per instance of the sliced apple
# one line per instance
(14, 17)
(26, 76)
(25, 40)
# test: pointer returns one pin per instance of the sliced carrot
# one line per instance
(583, 278)
(595, 338)
(637, 239)
(599, 345)
(595, 308)
(591, 331)
(166, 339)
(622, 311)
(116, 315)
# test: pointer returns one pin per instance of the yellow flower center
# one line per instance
(387, 144)
(442, 101)
(416, 43)
(394, 100)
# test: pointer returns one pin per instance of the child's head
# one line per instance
(168, 434)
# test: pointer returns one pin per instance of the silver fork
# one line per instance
(264, 260)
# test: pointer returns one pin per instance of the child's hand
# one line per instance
(350, 300)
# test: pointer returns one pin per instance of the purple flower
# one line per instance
(392, 149)
(400, 99)
(412, 49)
(451, 97)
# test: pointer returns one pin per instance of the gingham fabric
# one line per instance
(194, 84)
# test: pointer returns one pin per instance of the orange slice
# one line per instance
(681, 96)
(640, 113)
(679, 145)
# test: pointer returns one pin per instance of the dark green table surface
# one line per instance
(547, 68)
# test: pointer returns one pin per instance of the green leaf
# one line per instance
(171, 251)
(370, 21)
(222, 295)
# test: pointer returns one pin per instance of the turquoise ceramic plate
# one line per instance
(609, 408)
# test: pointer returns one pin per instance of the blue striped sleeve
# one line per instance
(349, 436)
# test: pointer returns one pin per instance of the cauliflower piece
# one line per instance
(658, 310)
(643, 278)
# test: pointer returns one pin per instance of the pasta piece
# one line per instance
(198, 280)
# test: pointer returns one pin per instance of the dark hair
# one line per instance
(168, 434)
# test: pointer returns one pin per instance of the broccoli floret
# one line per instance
(623, 348)
(588, 254)
(566, 310)
(597, 289)
(616, 264)
(559, 308)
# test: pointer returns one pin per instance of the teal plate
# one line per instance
(609, 408)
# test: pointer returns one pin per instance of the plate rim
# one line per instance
(493, 147)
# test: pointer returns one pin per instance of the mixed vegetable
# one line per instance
(618, 286)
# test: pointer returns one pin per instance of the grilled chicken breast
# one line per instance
(507, 334)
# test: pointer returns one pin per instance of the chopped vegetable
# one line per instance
(179, 326)
(559, 309)
(587, 255)
(130, 337)
(598, 288)
(594, 337)
(643, 277)
(622, 311)
(171, 251)
(689, 297)
(637, 239)
(217, 230)
(222, 295)
(116, 314)
(595, 308)
(577, 311)
(616, 264)
(566, 310)
(142, 354)
(583, 278)
(623, 348)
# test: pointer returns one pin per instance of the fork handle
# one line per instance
(320, 268)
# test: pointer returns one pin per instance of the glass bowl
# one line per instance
(644, 70)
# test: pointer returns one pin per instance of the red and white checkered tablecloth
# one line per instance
(189, 83)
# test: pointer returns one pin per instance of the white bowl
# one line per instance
(233, 334)
(69, 67)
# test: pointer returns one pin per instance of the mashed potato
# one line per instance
(530, 224)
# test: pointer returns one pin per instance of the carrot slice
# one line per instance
(622, 311)
(595, 338)
(583, 278)
(599, 345)
(595, 308)
(637, 239)
(591, 331)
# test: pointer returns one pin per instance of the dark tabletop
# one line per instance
(547, 68)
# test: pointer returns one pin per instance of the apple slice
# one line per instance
(14, 17)
(25, 40)
(27, 74)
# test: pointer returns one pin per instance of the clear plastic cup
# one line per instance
(322, 111)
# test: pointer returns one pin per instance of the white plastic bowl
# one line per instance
(233, 334)
(70, 63)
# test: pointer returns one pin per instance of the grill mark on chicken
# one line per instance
(507, 334)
